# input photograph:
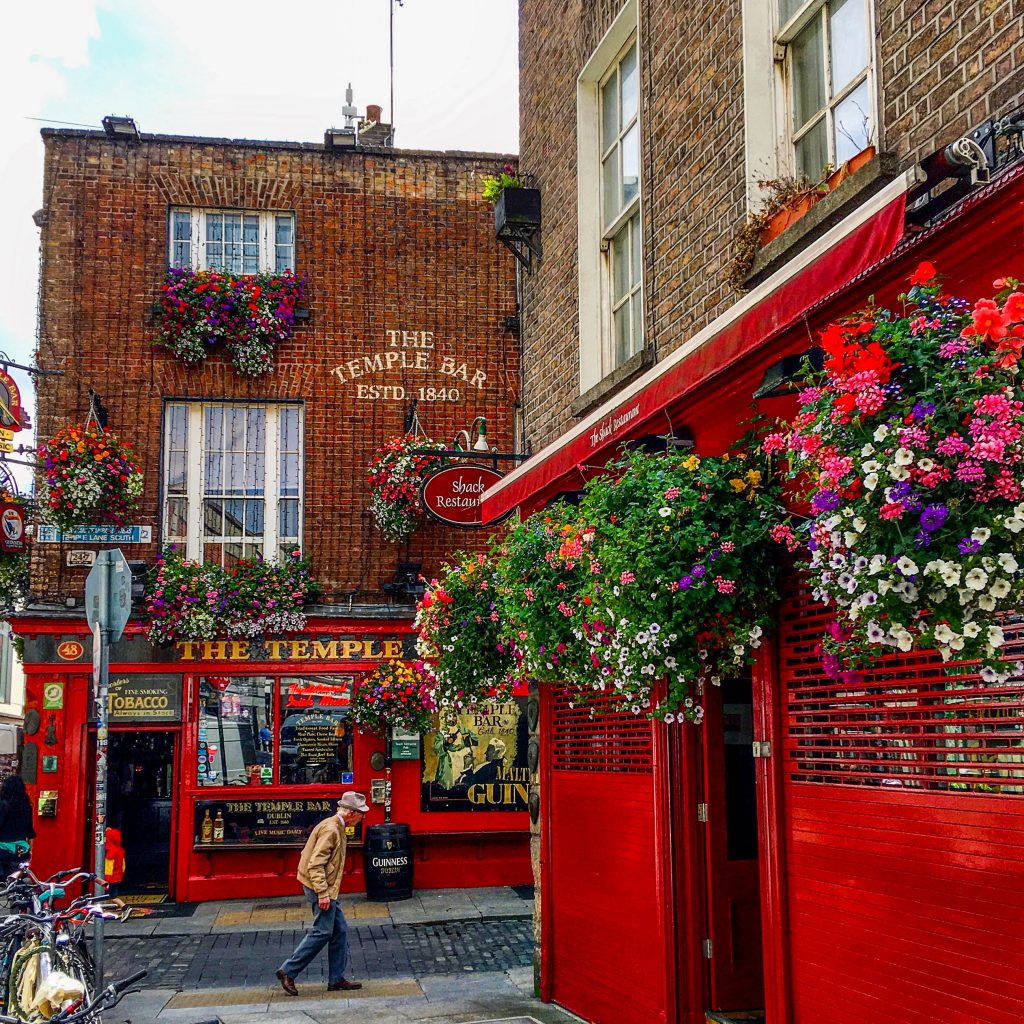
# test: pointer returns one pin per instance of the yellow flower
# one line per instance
(665, 528)
(739, 486)
(754, 478)
(691, 463)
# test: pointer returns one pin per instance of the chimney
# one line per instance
(372, 131)
(373, 113)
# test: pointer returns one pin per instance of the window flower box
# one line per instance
(517, 210)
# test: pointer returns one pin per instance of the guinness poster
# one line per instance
(477, 762)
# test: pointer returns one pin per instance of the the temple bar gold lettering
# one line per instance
(340, 649)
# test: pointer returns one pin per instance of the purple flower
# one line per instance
(933, 517)
(686, 582)
(968, 546)
(923, 409)
(698, 571)
(825, 501)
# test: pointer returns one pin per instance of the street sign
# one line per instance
(108, 593)
(95, 535)
(81, 558)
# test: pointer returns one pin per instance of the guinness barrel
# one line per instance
(387, 862)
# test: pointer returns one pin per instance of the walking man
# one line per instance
(320, 868)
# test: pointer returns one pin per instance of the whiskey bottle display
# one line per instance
(206, 830)
(218, 827)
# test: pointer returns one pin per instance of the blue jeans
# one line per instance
(329, 929)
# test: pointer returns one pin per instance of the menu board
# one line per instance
(242, 824)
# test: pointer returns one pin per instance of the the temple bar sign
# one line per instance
(344, 648)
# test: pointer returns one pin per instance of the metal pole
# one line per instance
(101, 637)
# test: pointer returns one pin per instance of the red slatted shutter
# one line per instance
(608, 941)
(904, 806)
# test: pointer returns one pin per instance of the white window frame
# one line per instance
(597, 345)
(197, 238)
(767, 89)
(195, 488)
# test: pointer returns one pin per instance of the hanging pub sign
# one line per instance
(11, 414)
(12, 528)
(452, 494)
(478, 761)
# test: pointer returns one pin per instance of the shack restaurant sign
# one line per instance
(452, 494)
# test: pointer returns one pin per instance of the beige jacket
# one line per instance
(323, 858)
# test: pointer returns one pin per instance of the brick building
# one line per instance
(406, 297)
(646, 125)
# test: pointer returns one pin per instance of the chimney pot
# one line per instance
(373, 113)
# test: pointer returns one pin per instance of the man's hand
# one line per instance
(325, 902)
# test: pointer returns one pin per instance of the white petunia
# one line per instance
(664, 511)
(859, 524)
(925, 465)
(995, 636)
(870, 466)
(1014, 524)
(876, 634)
(976, 579)
(871, 482)
(980, 534)
(903, 457)
(987, 603)
(899, 472)
(868, 449)
(971, 630)
(907, 566)
(1007, 562)
(877, 564)
(882, 432)
(943, 634)
(999, 589)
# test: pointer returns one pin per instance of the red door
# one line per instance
(734, 902)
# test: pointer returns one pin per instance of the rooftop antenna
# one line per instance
(348, 111)
(391, 44)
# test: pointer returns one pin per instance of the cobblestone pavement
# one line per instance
(244, 958)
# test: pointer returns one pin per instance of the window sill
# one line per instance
(631, 368)
(825, 213)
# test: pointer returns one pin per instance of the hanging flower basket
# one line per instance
(460, 636)
(90, 477)
(909, 447)
(396, 473)
(13, 565)
(397, 695)
(249, 315)
(188, 600)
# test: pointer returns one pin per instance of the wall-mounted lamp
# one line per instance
(120, 127)
(785, 376)
(480, 444)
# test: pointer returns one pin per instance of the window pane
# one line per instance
(620, 265)
(629, 77)
(315, 732)
(609, 113)
(176, 473)
(176, 526)
(621, 328)
(235, 731)
(181, 233)
(282, 230)
(853, 124)
(812, 152)
(288, 521)
(284, 243)
(808, 74)
(637, 326)
(253, 517)
(635, 248)
(630, 164)
(848, 37)
(787, 8)
(610, 185)
(214, 227)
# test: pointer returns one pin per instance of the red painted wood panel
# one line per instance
(603, 898)
(905, 889)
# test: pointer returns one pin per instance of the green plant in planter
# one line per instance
(495, 184)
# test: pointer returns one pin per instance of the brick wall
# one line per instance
(386, 241)
(944, 67)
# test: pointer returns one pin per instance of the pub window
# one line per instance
(233, 480)
(238, 242)
(235, 730)
(315, 729)
(260, 730)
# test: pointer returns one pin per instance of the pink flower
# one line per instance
(627, 577)
(891, 510)
(724, 586)
(1013, 308)
(672, 493)
(988, 320)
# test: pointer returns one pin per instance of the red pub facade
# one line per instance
(816, 849)
(223, 753)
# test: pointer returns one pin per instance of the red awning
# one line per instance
(834, 260)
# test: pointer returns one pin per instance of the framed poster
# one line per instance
(477, 762)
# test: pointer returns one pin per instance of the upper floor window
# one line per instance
(238, 242)
(232, 480)
(828, 56)
(620, 203)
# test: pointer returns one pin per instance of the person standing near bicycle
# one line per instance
(321, 865)
(16, 829)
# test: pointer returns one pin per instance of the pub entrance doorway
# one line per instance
(140, 805)
(734, 948)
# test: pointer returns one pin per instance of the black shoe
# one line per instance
(288, 984)
(342, 986)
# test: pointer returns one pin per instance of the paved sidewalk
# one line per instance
(442, 957)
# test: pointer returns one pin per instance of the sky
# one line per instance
(242, 70)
